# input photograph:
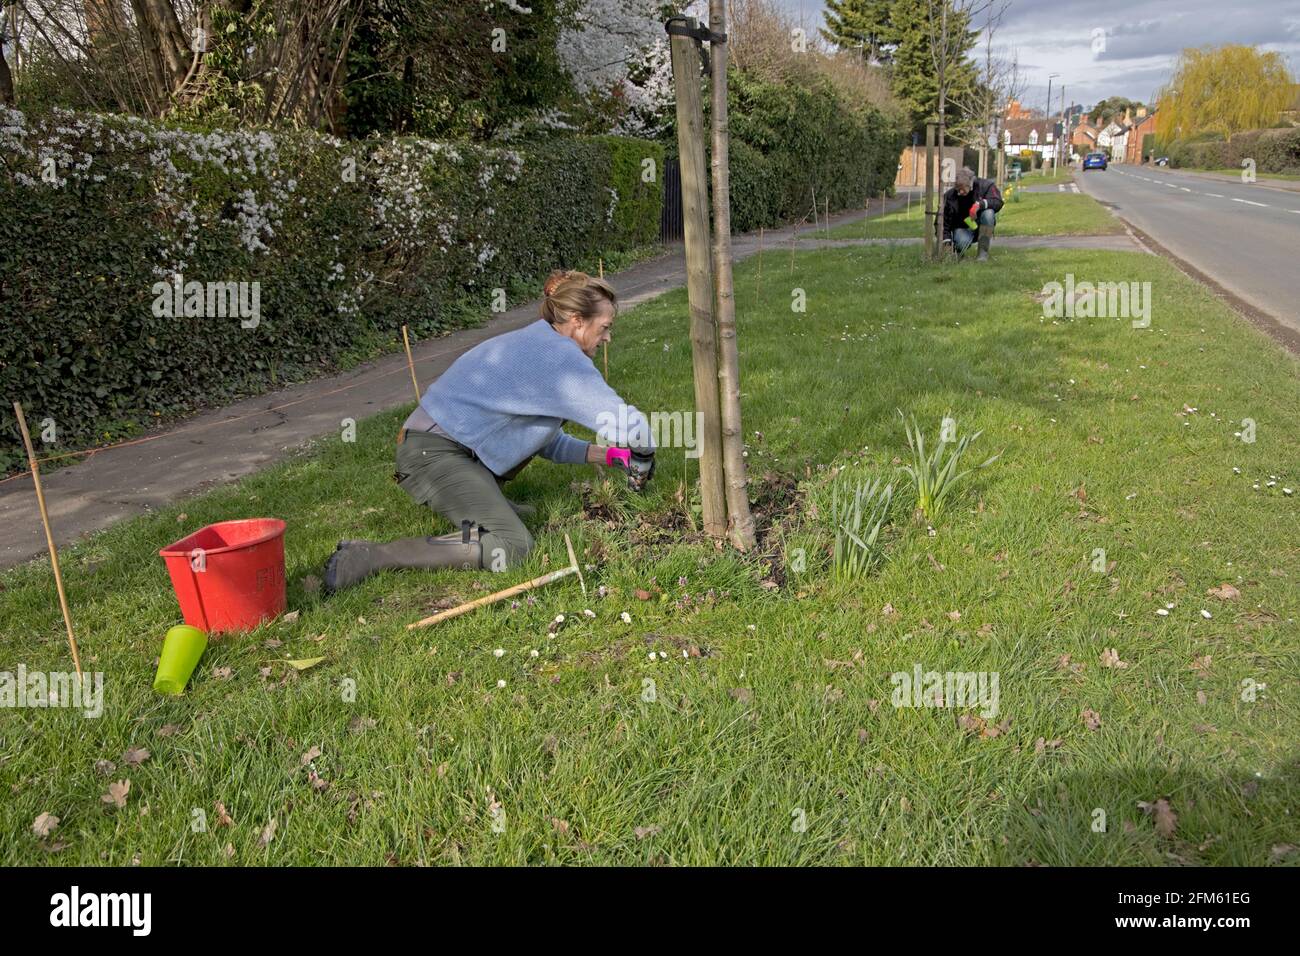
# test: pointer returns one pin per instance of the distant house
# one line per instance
(1015, 111)
(1084, 137)
(1133, 151)
(1038, 135)
(1106, 135)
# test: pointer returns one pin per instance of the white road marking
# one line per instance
(1215, 195)
(1184, 189)
(1250, 202)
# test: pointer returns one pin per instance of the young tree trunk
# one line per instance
(740, 523)
(699, 279)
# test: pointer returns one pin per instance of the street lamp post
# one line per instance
(1047, 113)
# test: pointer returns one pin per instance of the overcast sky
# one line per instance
(1143, 38)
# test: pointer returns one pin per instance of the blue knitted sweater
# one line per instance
(506, 398)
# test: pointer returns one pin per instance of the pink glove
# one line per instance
(619, 456)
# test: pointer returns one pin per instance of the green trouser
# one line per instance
(449, 478)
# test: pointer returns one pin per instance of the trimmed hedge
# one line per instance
(1273, 150)
(789, 141)
(346, 241)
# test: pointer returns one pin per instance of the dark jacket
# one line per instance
(957, 208)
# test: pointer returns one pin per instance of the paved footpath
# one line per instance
(222, 445)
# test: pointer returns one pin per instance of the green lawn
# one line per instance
(772, 706)
(1034, 214)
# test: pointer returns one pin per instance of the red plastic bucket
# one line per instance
(229, 576)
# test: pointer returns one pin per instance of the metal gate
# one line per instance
(670, 216)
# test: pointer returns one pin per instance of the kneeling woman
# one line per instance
(484, 419)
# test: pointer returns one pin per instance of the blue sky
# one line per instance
(1143, 39)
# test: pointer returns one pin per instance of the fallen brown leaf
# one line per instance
(1091, 719)
(267, 834)
(1110, 658)
(643, 832)
(44, 824)
(135, 756)
(309, 756)
(1165, 819)
(223, 818)
(168, 730)
(117, 793)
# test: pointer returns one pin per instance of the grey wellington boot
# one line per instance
(986, 237)
(355, 561)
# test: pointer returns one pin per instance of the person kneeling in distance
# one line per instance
(974, 198)
(497, 406)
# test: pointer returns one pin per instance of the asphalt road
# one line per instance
(1244, 236)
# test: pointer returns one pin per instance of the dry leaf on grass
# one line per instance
(1201, 698)
(1091, 719)
(221, 673)
(360, 724)
(1110, 658)
(168, 730)
(1165, 818)
(1042, 744)
(43, 825)
(1224, 592)
(223, 818)
(643, 832)
(1201, 665)
(302, 664)
(954, 615)
(742, 694)
(135, 756)
(104, 767)
(117, 793)
(309, 756)
(560, 826)
(290, 618)
(267, 834)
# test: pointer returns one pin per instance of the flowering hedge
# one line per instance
(116, 232)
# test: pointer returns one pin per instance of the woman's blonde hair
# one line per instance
(571, 291)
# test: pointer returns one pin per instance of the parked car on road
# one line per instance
(1094, 161)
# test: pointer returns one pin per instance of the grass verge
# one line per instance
(766, 732)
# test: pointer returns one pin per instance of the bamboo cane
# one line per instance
(537, 582)
(410, 363)
(600, 268)
(49, 535)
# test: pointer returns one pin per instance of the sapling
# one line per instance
(934, 476)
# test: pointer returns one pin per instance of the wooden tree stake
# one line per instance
(49, 535)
